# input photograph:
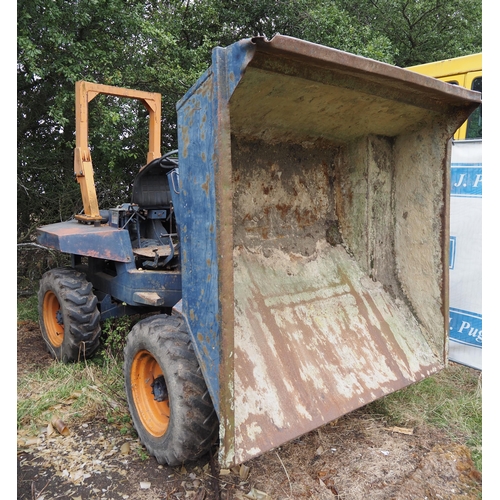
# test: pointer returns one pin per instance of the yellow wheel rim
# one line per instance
(55, 331)
(154, 415)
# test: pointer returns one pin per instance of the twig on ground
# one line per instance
(284, 468)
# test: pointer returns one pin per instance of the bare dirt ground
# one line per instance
(356, 458)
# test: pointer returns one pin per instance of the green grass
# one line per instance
(72, 392)
(450, 401)
(75, 392)
(27, 309)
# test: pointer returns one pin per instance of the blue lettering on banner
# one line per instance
(466, 327)
(453, 249)
(467, 180)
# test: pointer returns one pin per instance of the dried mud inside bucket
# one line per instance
(314, 336)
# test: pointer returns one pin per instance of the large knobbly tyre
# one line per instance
(68, 313)
(167, 396)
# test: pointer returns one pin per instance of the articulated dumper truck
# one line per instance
(291, 255)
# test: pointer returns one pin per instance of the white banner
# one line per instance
(466, 323)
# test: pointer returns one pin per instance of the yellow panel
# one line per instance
(459, 70)
(450, 67)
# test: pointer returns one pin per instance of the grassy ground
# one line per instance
(92, 388)
(450, 401)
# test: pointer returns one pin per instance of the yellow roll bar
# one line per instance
(84, 172)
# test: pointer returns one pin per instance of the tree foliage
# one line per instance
(164, 46)
(422, 31)
(132, 43)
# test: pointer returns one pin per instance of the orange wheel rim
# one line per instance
(51, 308)
(154, 415)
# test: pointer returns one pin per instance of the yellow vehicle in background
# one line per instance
(465, 266)
(466, 71)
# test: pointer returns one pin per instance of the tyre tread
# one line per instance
(80, 312)
(193, 426)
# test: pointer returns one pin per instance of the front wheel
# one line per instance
(167, 396)
(68, 313)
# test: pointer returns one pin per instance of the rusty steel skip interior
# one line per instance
(325, 179)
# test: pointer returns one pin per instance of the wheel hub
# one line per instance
(149, 391)
(53, 319)
(159, 389)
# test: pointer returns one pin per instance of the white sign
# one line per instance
(466, 322)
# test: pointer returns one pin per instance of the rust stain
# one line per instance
(185, 140)
(206, 184)
(314, 339)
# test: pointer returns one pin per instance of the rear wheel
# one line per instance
(69, 317)
(168, 399)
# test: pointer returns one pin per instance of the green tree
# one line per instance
(164, 46)
(153, 46)
(321, 22)
(422, 31)
(59, 43)
(328, 24)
